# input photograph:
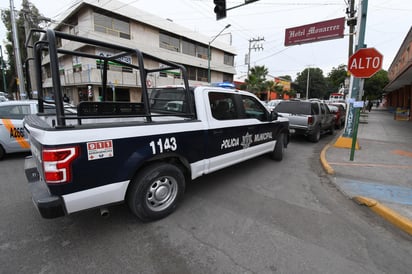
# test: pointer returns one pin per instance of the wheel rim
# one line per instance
(161, 193)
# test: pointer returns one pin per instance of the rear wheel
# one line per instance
(315, 136)
(156, 191)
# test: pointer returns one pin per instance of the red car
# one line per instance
(340, 114)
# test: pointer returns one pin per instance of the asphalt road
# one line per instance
(260, 216)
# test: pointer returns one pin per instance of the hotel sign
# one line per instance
(325, 30)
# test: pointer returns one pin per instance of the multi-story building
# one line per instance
(119, 23)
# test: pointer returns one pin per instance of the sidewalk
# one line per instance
(380, 176)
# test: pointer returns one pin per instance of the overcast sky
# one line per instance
(388, 22)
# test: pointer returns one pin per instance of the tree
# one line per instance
(256, 81)
(29, 14)
(336, 78)
(373, 87)
(317, 83)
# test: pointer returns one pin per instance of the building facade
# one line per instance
(399, 90)
(118, 23)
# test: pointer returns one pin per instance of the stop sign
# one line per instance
(365, 62)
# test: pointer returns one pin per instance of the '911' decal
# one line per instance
(162, 145)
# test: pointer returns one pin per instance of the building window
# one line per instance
(73, 27)
(227, 77)
(202, 74)
(201, 52)
(228, 59)
(112, 26)
(188, 48)
(169, 42)
(191, 73)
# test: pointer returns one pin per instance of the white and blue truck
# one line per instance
(140, 153)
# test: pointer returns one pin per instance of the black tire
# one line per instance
(277, 153)
(332, 129)
(156, 191)
(2, 152)
(315, 136)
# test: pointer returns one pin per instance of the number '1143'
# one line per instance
(163, 145)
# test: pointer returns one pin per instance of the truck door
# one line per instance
(12, 135)
(226, 134)
(264, 132)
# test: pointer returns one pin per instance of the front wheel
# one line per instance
(277, 153)
(156, 191)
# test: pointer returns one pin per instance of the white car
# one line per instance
(12, 135)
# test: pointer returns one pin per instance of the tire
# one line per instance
(277, 153)
(156, 191)
(2, 152)
(315, 136)
(332, 129)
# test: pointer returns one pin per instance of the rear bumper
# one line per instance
(49, 206)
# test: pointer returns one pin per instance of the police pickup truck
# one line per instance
(141, 153)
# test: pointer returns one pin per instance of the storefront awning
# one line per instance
(403, 79)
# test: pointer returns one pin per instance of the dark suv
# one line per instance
(307, 117)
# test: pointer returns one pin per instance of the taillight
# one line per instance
(57, 164)
(310, 120)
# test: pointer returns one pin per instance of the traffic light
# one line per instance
(220, 9)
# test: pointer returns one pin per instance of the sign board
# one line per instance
(325, 30)
(358, 104)
(365, 62)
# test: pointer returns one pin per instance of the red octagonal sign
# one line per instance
(365, 62)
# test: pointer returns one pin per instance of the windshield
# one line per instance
(294, 107)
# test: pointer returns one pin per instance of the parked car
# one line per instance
(340, 114)
(12, 136)
(307, 117)
(273, 103)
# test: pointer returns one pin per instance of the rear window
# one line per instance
(14, 111)
(294, 107)
(169, 99)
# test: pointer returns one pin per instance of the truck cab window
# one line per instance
(253, 109)
(222, 106)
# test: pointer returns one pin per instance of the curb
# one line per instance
(386, 213)
(329, 170)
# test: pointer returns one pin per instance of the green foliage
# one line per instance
(317, 83)
(336, 77)
(29, 14)
(373, 87)
(256, 81)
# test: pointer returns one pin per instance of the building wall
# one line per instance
(79, 75)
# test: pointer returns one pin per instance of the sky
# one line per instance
(387, 24)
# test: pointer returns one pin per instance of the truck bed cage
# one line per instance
(47, 51)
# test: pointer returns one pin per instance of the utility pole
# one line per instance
(351, 22)
(31, 77)
(307, 84)
(16, 48)
(255, 47)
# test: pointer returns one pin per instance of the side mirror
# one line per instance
(273, 116)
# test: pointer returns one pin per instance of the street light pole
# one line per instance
(208, 51)
(307, 84)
